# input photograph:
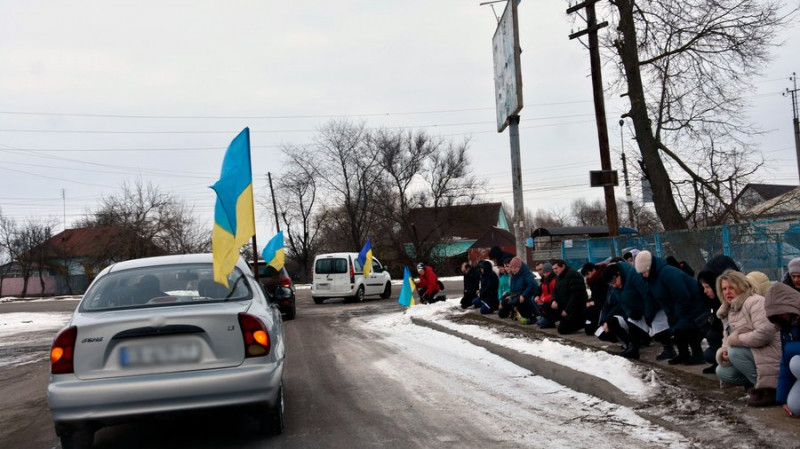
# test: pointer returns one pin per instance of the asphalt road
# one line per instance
(332, 400)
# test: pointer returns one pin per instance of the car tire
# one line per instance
(317, 300)
(387, 291)
(273, 421)
(290, 314)
(359, 296)
(79, 437)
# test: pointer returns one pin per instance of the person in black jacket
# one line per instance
(569, 298)
(489, 287)
(472, 282)
(599, 290)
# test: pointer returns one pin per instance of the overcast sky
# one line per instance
(96, 93)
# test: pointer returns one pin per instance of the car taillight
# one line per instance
(352, 275)
(286, 282)
(255, 335)
(63, 351)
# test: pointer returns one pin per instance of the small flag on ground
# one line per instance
(407, 290)
(273, 253)
(365, 258)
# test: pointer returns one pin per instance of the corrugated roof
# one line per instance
(786, 204)
(464, 221)
(84, 242)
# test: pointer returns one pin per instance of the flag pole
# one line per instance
(255, 258)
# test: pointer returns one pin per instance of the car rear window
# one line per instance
(331, 266)
(162, 285)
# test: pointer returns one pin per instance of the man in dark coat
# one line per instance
(599, 291)
(472, 282)
(679, 296)
(628, 298)
(569, 298)
(707, 280)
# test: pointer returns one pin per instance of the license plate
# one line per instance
(323, 286)
(164, 354)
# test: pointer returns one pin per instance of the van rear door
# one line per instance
(332, 275)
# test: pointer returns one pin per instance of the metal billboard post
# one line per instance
(508, 99)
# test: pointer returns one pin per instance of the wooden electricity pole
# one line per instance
(609, 178)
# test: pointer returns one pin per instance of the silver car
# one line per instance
(159, 335)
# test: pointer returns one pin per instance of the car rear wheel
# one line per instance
(273, 421)
(290, 314)
(359, 296)
(317, 300)
(387, 291)
(79, 437)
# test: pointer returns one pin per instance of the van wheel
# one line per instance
(317, 300)
(387, 291)
(359, 296)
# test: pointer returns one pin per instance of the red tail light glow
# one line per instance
(255, 335)
(352, 274)
(63, 351)
(286, 282)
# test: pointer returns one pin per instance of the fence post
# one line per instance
(726, 241)
(657, 241)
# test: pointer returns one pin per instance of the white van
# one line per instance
(340, 275)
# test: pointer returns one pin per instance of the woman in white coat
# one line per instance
(751, 347)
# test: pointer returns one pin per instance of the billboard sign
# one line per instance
(507, 71)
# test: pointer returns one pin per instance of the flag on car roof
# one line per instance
(407, 290)
(273, 253)
(234, 219)
(365, 257)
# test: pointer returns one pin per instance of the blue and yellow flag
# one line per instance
(407, 290)
(234, 218)
(365, 257)
(273, 252)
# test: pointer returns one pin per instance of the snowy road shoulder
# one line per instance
(623, 374)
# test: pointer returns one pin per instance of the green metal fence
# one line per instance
(765, 246)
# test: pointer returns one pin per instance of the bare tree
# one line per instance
(150, 222)
(347, 168)
(26, 244)
(420, 171)
(587, 213)
(299, 208)
(551, 218)
(685, 66)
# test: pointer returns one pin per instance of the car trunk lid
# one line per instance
(159, 340)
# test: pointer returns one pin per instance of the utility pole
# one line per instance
(274, 205)
(628, 196)
(795, 121)
(608, 178)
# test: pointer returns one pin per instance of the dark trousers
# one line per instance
(572, 324)
(526, 309)
(466, 300)
(633, 336)
(592, 315)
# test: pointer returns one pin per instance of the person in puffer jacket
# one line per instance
(782, 306)
(750, 352)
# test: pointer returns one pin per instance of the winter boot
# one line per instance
(631, 352)
(666, 354)
(761, 397)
